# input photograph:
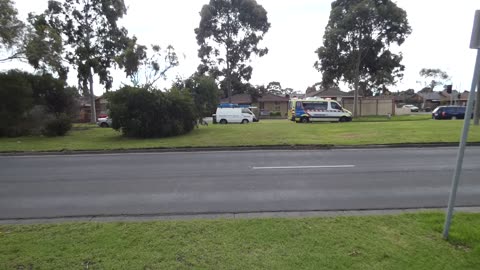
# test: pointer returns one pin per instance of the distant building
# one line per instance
(267, 104)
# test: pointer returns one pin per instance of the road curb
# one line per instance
(231, 215)
(234, 148)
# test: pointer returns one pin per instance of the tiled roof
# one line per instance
(431, 96)
(272, 98)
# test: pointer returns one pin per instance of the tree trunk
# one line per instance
(93, 111)
(476, 113)
(229, 72)
(229, 82)
(357, 79)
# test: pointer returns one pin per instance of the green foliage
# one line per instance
(145, 67)
(43, 47)
(437, 76)
(11, 32)
(11, 28)
(275, 114)
(275, 88)
(53, 94)
(58, 126)
(27, 101)
(15, 101)
(228, 34)
(138, 112)
(90, 29)
(357, 40)
(36, 42)
(204, 91)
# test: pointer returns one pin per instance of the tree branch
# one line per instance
(17, 55)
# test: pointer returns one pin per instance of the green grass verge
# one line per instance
(410, 241)
(382, 118)
(268, 132)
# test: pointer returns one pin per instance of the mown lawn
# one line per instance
(268, 132)
(409, 241)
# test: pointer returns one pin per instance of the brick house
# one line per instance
(267, 104)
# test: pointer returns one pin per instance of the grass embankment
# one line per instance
(269, 132)
(411, 241)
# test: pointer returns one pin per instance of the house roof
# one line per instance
(454, 93)
(330, 92)
(247, 99)
(432, 96)
(465, 95)
(271, 98)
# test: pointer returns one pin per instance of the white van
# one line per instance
(234, 115)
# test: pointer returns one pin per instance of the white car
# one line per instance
(410, 107)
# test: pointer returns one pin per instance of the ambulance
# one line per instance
(315, 109)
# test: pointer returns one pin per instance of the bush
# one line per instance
(204, 91)
(59, 126)
(275, 114)
(142, 113)
(28, 102)
(15, 102)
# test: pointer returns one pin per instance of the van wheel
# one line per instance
(454, 118)
(223, 122)
(304, 120)
(245, 121)
(343, 119)
(104, 125)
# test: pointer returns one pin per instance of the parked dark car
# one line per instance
(449, 112)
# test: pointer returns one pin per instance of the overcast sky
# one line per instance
(440, 38)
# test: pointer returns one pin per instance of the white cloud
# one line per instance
(440, 38)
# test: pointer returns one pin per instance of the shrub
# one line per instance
(59, 126)
(204, 91)
(142, 113)
(15, 101)
(28, 102)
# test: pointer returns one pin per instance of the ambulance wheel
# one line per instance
(244, 121)
(304, 120)
(343, 119)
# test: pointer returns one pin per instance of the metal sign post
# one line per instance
(474, 44)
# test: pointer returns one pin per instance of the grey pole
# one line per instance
(474, 44)
(461, 149)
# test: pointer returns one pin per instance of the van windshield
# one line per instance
(246, 111)
(336, 106)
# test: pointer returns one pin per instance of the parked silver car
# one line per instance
(104, 122)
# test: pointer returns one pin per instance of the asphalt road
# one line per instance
(233, 182)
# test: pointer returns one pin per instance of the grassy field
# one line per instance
(410, 241)
(268, 132)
